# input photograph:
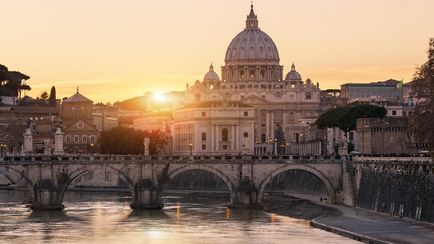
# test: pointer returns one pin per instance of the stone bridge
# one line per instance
(48, 177)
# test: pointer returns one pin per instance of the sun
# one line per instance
(159, 96)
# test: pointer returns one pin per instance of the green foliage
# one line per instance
(122, 140)
(52, 98)
(345, 118)
(44, 95)
(279, 135)
(12, 82)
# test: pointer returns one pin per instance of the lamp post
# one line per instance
(191, 149)
(275, 146)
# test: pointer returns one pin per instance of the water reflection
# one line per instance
(107, 218)
(148, 214)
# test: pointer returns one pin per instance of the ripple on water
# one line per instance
(108, 219)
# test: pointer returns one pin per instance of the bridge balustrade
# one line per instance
(188, 158)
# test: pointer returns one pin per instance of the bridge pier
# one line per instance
(246, 195)
(46, 196)
(146, 195)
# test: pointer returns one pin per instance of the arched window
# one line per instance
(225, 134)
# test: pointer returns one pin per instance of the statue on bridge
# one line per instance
(146, 142)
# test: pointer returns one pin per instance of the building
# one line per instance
(153, 121)
(80, 134)
(217, 127)
(384, 136)
(390, 89)
(105, 117)
(42, 120)
(252, 75)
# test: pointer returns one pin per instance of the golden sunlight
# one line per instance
(159, 96)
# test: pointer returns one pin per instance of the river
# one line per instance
(108, 218)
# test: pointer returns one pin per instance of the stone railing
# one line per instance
(165, 158)
(367, 159)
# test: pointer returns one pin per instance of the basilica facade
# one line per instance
(282, 105)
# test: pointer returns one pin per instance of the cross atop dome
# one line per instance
(293, 67)
(211, 67)
(252, 19)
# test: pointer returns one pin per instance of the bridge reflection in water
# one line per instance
(107, 218)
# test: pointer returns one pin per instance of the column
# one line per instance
(212, 138)
(272, 125)
(217, 138)
(238, 138)
(267, 125)
(233, 138)
(246, 74)
(258, 74)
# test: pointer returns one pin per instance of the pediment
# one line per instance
(81, 126)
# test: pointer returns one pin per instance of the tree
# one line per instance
(279, 135)
(422, 122)
(345, 118)
(52, 98)
(129, 141)
(12, 82)
(44, 95)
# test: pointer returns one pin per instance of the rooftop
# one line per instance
(387, 83)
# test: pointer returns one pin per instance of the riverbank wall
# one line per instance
(404, 189)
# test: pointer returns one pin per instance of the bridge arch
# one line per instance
(212, 170)
(328, 185)
(77, 173)
(14, 175)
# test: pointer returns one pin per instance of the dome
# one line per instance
(211, 75)
(293, 74)
(252, 45)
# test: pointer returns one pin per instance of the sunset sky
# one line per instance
(115, 49)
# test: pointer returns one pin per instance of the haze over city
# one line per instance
(129, 47)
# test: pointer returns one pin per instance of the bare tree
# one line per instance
(423, 88)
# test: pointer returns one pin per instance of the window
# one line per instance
(393, 112)
(308, 95)
(203, 114)
(203, 136)
(225, 134)
(225, 147)
(351, 136)
(246, 113)
(92, 139)
(246, 134)
(404, 113)
(203, 147)
(296, 137)
(76, 139)
(68, 139)
(84, 139)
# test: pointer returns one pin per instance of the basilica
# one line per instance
(252, 107)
